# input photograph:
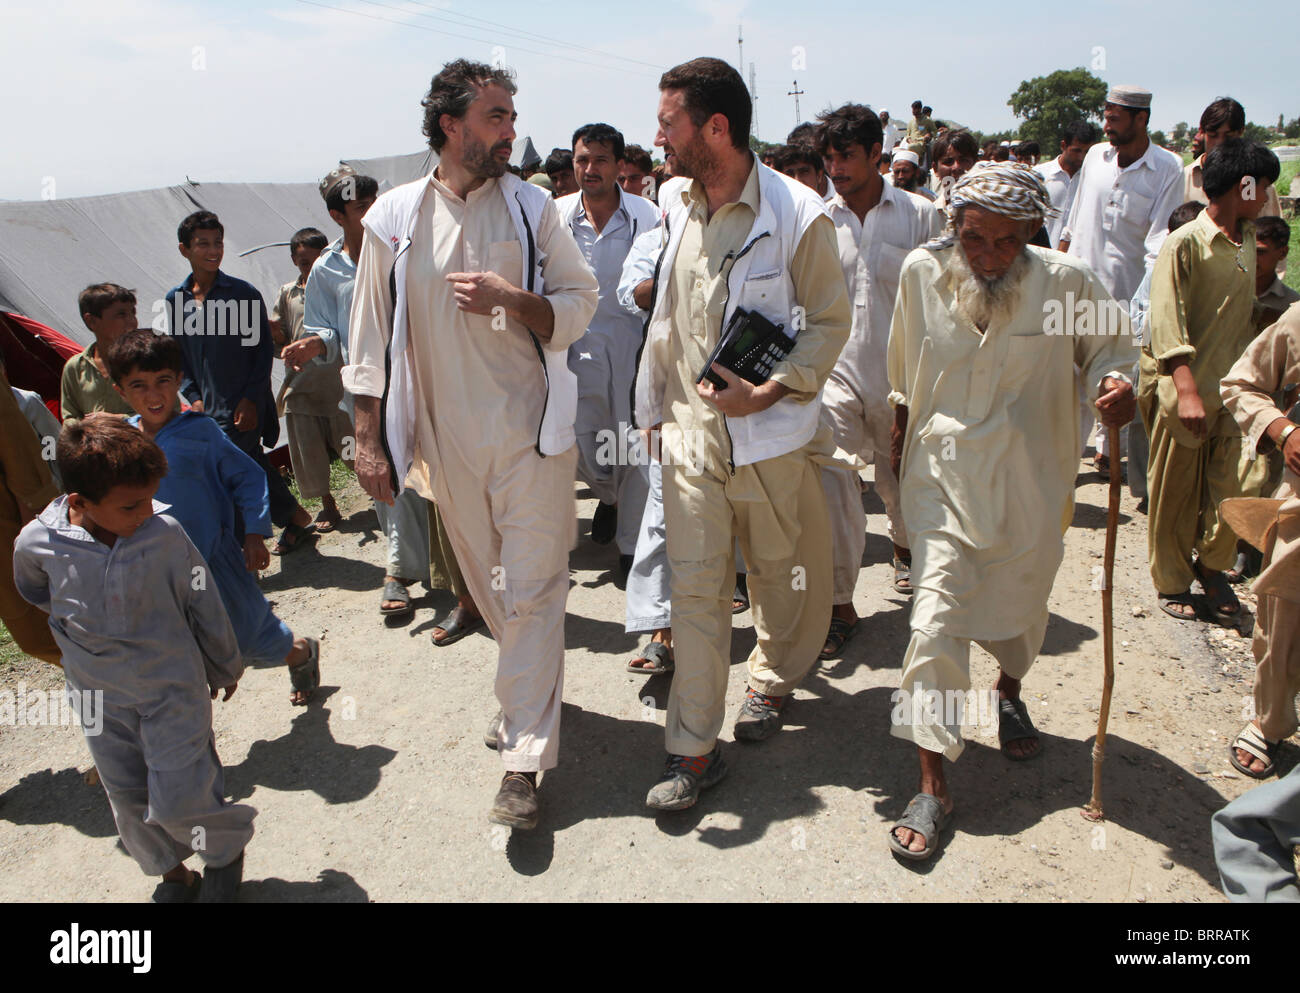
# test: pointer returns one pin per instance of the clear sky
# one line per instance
(103, 96)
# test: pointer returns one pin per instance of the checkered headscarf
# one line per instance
(1008, 188)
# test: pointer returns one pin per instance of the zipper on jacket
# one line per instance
(736, 257)
(388, 372)
(541, 356)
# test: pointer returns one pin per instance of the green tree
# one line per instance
(1256, 132)
(1049, 103)
(1158, 138)
(1180, 136)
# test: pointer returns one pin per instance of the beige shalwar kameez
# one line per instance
(989, 462)
(775, 507)
(1270, 364)
(1202, 300)
(509, 512)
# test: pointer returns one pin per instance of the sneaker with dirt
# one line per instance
(759, 717)
(490, 735)
(685, 778)
(516, 803)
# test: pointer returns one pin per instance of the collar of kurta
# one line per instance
(749, 196)
(55, 517)
(1146, 158)
(621, 209)
(890, 196)
(1209, 230)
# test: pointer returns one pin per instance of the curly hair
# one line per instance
(454, 89)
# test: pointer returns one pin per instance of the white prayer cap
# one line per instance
(907, 155)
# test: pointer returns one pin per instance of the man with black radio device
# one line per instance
(738, 460)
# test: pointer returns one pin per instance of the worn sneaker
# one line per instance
(759, 717)
(490, 735)
(685, 778)
(516, 804)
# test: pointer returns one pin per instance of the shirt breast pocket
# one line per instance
(763, 291)
(1027, 355)
(506, 258)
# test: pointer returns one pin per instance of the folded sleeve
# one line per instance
(639, 266)
(1167, 318)
(370, 325)
(571, 286)
(819, 290)
(1268, 365)
(320, 313)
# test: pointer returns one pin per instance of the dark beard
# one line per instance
(479, 160)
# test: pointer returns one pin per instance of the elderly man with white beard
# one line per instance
(981, 372)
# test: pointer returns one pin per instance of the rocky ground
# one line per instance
(379, 789)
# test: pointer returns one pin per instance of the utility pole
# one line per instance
(796, 93)
(740, 44)
(753, 96)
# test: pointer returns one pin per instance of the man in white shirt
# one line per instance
(906, 170)
(889, 133)
(1059, 173)
(1223, 119)
(604, 221)
(469, 291)
(876, 225)
(1125, 192)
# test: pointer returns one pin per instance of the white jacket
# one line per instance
(759, 281)
(392, 218)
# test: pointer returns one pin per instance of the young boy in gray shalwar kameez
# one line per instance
(144, 637)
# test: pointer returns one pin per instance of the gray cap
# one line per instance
(1133, 97)
(542, 180)
(336, 176)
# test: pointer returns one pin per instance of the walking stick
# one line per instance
(1093, 811)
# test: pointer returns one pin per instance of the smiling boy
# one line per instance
(221, 325)
(209, 481)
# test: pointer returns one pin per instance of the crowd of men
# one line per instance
(954, 317)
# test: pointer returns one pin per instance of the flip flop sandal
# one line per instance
(902, 576)
(841, 631)
(1219, 594)
(305, 676)
(1185, 598)
(1252, 741)
(172, 892)
(299, 536)
(1014, 725)
(393, 590)
(656, 653)
(740, 596)
(459, 623)
(327, 524)
(926, 816)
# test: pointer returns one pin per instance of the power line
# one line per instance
(450, 34)
(531, 34)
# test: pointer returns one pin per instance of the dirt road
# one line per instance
(379, 790)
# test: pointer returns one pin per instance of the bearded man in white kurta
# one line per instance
(981, 367)
(469, 291)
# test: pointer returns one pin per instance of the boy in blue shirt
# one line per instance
(208, 481)
(145, 648)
